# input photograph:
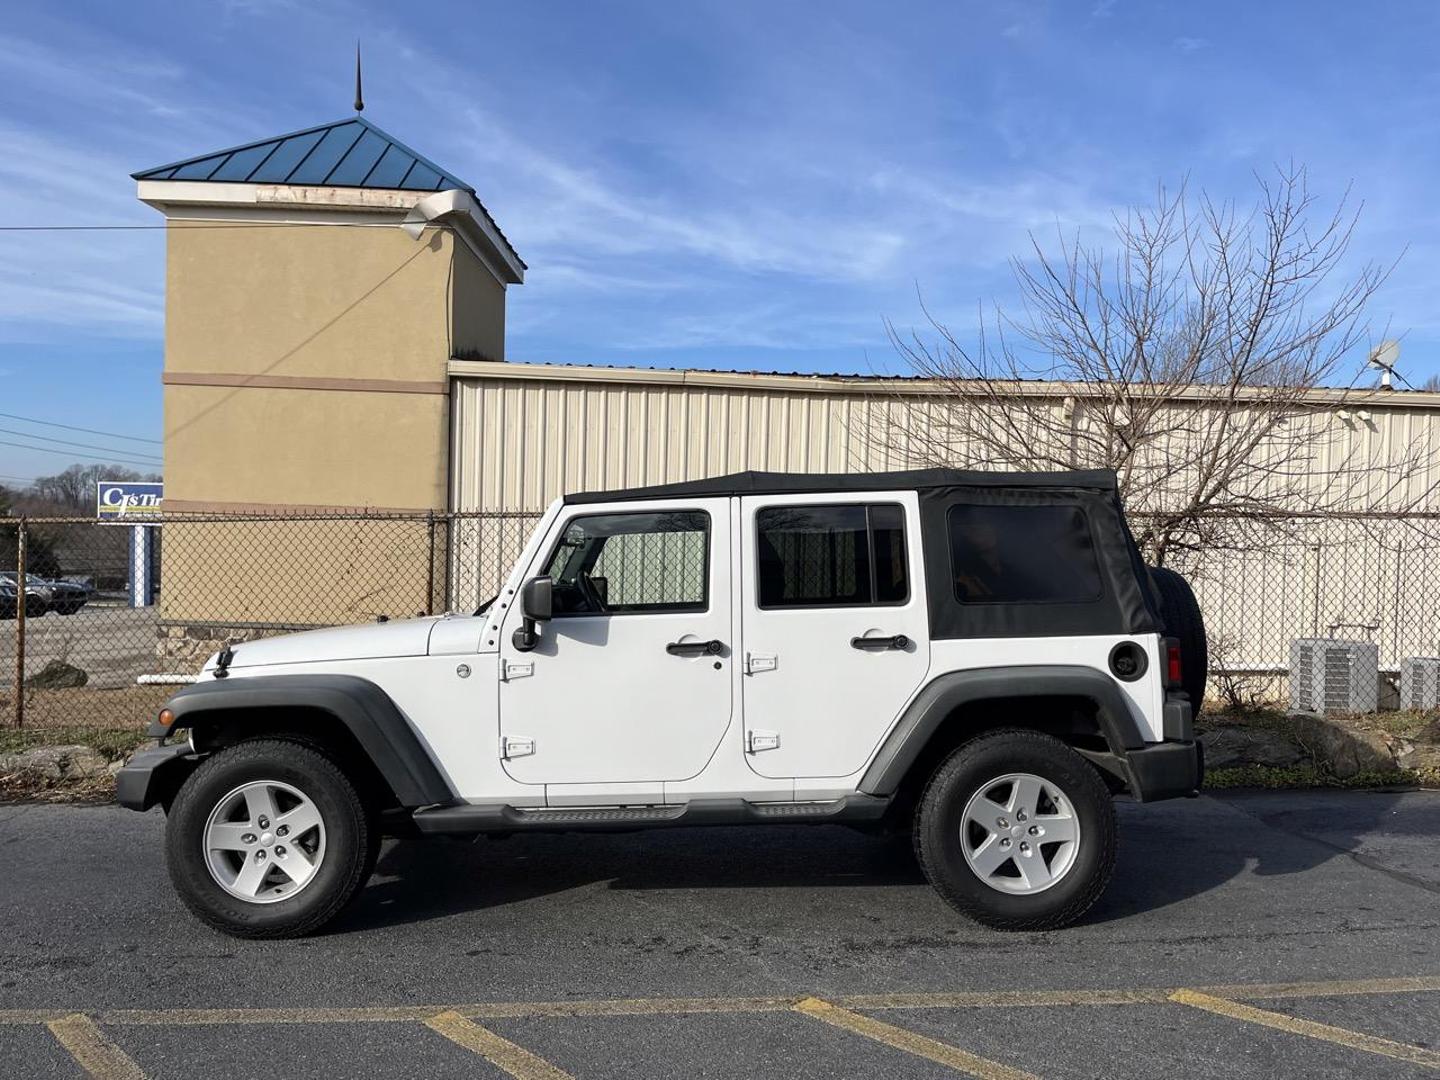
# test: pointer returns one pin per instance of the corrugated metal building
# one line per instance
(523, 434)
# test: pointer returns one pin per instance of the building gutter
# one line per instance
(474, 224)
(903, 386)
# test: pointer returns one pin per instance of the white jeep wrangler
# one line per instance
(980, 658)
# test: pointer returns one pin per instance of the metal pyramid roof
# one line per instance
(347, 153)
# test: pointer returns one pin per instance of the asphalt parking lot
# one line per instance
(112, 643)
(1270, 935)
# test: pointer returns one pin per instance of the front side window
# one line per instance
(831, 556)
(1022, 554)
(632, 564)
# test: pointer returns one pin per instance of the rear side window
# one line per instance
(831, 556)
(1022, 554)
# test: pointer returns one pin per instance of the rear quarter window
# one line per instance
(1022, 554)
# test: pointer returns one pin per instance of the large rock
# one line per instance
(55, 763)
(1430, 733)
(1345, 751)
(58, 675)
(1421, 757)
(1228, 747)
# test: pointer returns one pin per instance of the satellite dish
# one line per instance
(1383, 357)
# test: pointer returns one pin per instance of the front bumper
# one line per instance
(1166, 770)
(154, 775)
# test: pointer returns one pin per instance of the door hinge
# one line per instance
(758, 662)
(756, 741)
(513, 746)
(516, 669)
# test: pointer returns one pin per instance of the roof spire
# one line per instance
(359, 97)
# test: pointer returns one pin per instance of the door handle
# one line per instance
(713, 647)
(875, 644)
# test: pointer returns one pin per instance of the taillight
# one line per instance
(1174, 669)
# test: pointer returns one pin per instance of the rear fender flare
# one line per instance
(943, 695)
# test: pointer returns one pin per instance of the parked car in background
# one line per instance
(66, 597)
(37, 596)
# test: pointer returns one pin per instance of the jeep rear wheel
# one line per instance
(269, 838)
(1017, 831)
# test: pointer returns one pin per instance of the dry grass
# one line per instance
(1402, 724)
(128, 706)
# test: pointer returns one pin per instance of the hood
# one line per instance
(371, 641)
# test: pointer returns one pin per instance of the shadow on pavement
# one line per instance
(1169, 853)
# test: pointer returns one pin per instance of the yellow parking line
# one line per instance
(1334, 988)
(626, 1007)
(502, 1053)
(94, 1053)
(1003, 999)
(299, 1015)
(31, 1016)
(495, 1010)
(1344, 1037)
(909, 1041)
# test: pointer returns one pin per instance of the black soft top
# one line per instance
(778, 483)
(1127, 605)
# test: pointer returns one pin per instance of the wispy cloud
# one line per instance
(694, 181)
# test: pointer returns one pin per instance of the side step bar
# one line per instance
(491, 818)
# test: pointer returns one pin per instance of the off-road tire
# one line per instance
(973, 766)
(351, 839)
(1185, 624)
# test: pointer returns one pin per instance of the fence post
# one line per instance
(1315, 601)
(446, 596)
(1395, 642)
(20, 605)
(430, 564)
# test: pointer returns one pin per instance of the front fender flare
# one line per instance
(943, 695)
(363, 707)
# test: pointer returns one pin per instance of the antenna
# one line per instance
(1383, 357)
(359, 97)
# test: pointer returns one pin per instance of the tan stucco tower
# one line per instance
(317, 286)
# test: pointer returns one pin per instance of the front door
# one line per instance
(630, 682)
(835, 633)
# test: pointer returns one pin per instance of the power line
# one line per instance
(77, 453)
(222, 225)
(87, 446)
(72, 427)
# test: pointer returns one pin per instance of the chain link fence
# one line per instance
(116, 615)
(110, 617)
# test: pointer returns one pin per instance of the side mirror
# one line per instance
(537, 605)
(537, 598)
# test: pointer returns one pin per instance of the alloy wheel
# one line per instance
(264, 841)
(1020, 834)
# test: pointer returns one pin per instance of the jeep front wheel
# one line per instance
(269, 838)
(1017, 831)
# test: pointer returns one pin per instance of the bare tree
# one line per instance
(1204, 358)
(73, 491)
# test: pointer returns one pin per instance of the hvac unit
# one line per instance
(1330, 675)
(1420, 682)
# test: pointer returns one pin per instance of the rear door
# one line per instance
(835, 635)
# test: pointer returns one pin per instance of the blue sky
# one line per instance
(715, 184)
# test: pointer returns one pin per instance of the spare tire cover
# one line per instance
(1184, 622)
